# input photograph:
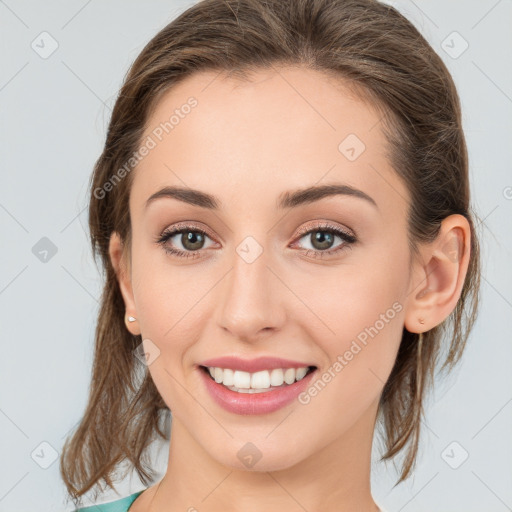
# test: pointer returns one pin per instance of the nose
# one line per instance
(250, 302)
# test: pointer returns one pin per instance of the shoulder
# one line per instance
(121, 505)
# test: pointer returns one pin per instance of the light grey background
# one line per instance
(54, 113)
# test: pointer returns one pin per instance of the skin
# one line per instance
(246, 143)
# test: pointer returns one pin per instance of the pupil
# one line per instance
(321, 240)
(191, 238)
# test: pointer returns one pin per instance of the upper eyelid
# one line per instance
(183, 226)
(326, 226)
(321, 225)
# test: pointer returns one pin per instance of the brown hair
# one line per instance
(359, 42)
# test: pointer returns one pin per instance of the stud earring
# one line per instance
(131, 318)
(421, 321)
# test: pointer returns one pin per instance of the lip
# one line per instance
(253, 365)
(254, 403)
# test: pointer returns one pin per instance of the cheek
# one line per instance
(357, 307)
(172, 306)
(169, 308)
(351, 298)
(162, 293)
(363, 316)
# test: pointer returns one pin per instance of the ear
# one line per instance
(437, 279)
(119, 259)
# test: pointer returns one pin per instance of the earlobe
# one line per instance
(119, 263)
(440, 278)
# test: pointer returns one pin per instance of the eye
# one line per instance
(321, 239)
(191, 238)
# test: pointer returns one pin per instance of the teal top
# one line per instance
(121, 505)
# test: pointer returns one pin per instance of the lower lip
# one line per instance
(254, 403)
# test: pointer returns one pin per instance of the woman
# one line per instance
(282, 209)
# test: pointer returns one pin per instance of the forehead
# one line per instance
(281, 129)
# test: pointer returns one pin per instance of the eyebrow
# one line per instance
(290, 199)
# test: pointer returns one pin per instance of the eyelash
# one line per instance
(325, 227)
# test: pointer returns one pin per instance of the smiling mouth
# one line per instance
(257, 382)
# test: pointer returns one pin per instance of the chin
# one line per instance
(258, 456)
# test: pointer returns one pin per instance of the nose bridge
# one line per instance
(250, 301)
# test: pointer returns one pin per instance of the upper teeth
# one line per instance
(258, 380)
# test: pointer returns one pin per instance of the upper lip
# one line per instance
(253, 365)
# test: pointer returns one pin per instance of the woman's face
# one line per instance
(271, 277)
